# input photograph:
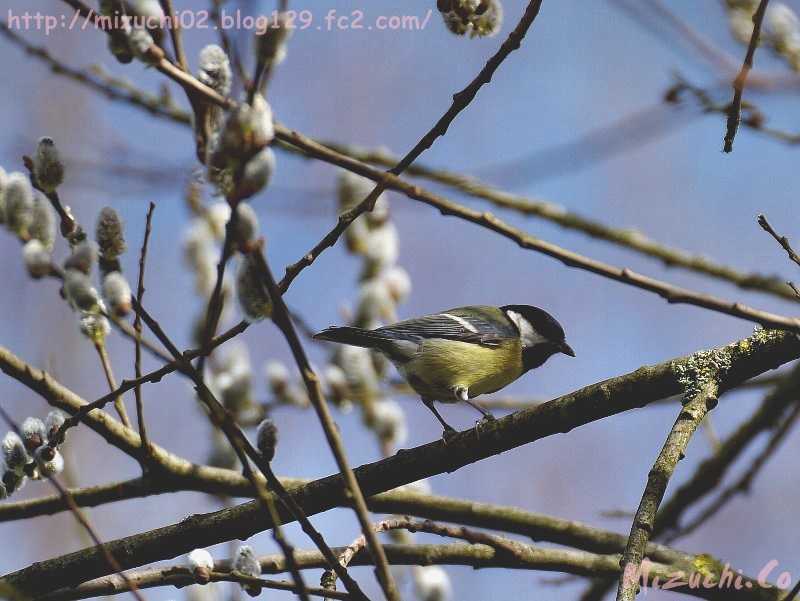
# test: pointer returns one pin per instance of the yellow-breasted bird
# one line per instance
(461, 353)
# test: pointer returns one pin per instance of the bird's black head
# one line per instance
(542, 336)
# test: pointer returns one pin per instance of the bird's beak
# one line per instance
(566, 349)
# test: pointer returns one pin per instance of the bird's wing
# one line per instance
(472, 324)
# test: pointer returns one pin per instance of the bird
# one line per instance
(461, 353)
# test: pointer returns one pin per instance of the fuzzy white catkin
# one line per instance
(200, 563)
(780, 22)
(117, 293)
(267, 438)
(356, 362)
(398, 282)
(380, 212)
(336, 381)
(382, 246)
(247, 130)
(47, 165)
(198, 241)
(83, 257)
(36, 258)
(257, 173)
(140, 42)
(741, 25)
(109, 234)
(217, 218)
(149, 9)
(271, 44)
(234, 389)
(33, 433)
(79, 291)
(277, 375)
(54, 420)
(14, 454)
(95, 327)
(18, 203)
(43, 222)
(50, 461)
(375, 302)
(215, 69)
(247, 224)
(476, 18)
(251, 292)
(246, 563)
(390, 421)
(432, 583)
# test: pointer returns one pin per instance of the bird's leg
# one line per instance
(448, 429)
(463, 395)
(487, 415)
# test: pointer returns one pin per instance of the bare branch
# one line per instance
(735, 109)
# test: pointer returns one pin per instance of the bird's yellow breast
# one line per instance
(441, 365)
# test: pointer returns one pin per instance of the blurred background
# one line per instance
(549, 126)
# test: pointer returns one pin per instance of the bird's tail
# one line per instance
(352, 336)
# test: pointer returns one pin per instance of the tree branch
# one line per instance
(761, 352)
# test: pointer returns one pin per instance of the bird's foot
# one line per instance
(482, 423)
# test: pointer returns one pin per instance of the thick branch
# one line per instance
(689, 418)
(761, 352)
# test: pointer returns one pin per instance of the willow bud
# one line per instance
(33, 433)
(18, 203)
(215, 69)
(476, 18)
(251, 291)
(37, 259)
(201, 564)
(140, 42)
(49, 461)
(95, 327)
(43, 222)
(246, 564)
(271, 44)
(79, 292)
(47, 165)
(267, 438)
(109, 234)
(82, 258)
(117, 293)
(14, 453)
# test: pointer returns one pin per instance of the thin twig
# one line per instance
(175, 32)
(137, 326)
(284, 322)
(477, 556)
(461, 100)
(689, 418)
(557, 214)
(673, 294)
(100, 347)
(782, 240)
(223, 419)
(735, 109)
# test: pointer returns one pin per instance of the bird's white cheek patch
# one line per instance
(464, 323)
(529, 336)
